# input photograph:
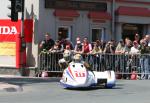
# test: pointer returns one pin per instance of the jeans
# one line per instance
(144, 62)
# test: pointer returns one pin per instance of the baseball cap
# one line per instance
(78, 41)
(67, 46)
(135, 42)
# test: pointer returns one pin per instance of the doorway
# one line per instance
(129, 30)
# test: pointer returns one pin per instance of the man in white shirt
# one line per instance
(135, 48)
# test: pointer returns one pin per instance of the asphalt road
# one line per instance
(50, 91)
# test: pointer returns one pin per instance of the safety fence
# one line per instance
(123, 65)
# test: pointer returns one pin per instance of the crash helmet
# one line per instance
(67, 55)
(77, 58)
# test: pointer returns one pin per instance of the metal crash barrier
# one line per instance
(124, 65)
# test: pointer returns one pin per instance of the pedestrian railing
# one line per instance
(122, 64)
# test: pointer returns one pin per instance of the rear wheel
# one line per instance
(109, 85)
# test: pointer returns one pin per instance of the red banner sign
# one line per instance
(9, 30)
(28, 30)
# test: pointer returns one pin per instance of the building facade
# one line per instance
(95, 19)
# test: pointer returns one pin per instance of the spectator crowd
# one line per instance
(127, 46)
(140, 45)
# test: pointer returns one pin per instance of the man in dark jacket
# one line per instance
(47, 43)
(45, 46)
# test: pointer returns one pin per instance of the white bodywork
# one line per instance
(76, 75)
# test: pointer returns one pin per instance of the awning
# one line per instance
(99, 15)
(66, 13)
(133, 11)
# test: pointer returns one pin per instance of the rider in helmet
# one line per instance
(63, 63)
(77, 58)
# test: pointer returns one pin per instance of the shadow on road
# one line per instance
(118, 86)
(25, 81)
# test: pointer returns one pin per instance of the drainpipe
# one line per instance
(113, 20)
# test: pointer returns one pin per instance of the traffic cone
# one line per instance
(118, 75)
(133, 75)
(44, 74)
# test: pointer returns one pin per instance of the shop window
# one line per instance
(64, 32)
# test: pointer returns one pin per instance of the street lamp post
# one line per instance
(23, 44)
(16, 7)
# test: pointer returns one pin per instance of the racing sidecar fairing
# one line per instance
(76, 76)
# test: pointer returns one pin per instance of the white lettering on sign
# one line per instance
(8, 30)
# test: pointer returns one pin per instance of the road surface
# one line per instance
(50, 91)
